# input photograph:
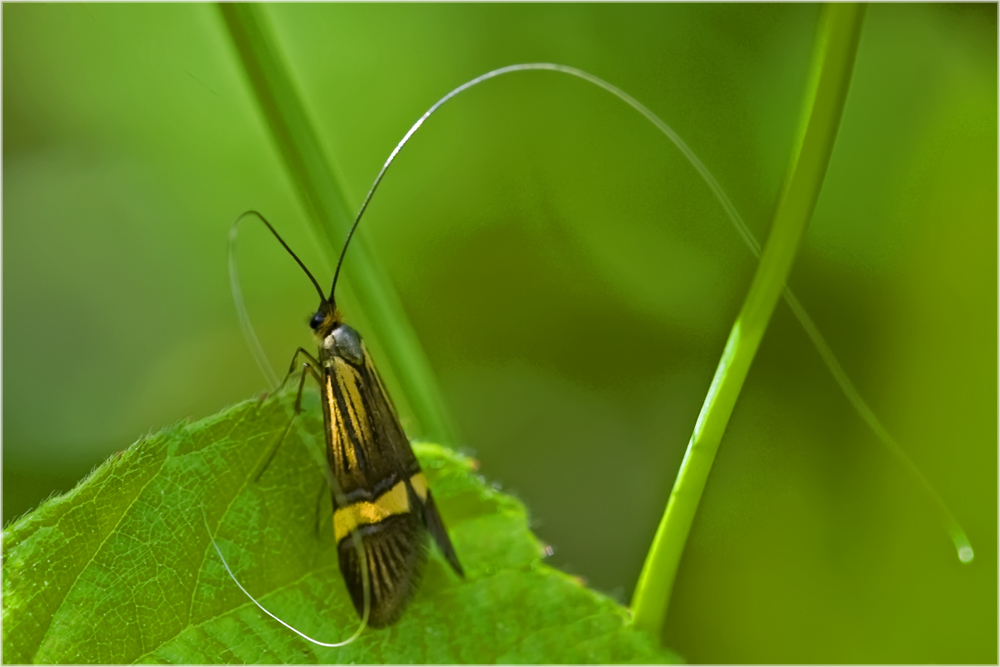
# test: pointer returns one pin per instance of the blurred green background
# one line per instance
(569, 276)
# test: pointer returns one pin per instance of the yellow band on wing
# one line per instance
(364, 513)
(419, 485)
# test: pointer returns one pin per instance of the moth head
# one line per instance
(326, 319)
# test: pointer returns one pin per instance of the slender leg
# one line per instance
(306, 368)
(291, 371)
(291, 367)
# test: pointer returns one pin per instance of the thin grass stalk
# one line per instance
(330, 217)
(833, 61)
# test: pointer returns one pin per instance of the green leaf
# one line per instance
(121, 569)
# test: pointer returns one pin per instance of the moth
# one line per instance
(383, 496)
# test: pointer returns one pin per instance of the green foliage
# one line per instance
(121, 569)
(570, 277)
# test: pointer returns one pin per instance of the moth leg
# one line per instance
(306, 368)
(291, 371)
(291, 367)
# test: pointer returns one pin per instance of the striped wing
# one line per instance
(385, 497)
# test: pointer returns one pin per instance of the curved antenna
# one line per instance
(355, 535)
(741, 227)
(319, 290)
(364, 618)
(241, 310)
(951, 524)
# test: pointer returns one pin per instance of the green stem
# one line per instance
(831, 74)
(329, 214)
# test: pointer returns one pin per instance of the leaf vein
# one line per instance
(69, 589)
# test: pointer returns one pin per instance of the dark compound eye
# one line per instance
(317, 320)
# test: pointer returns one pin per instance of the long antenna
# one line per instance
(951, 524)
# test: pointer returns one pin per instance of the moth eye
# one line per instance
(316, 321)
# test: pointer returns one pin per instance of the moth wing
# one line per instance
(440, 534)
(395, 550)
(390, 432)
(430, 515)
(367, 448)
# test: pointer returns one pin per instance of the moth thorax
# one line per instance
(345, 342)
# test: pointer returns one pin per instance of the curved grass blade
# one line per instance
(833, 63)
